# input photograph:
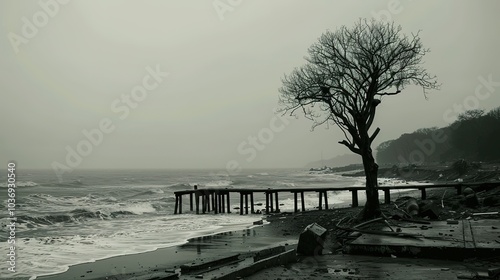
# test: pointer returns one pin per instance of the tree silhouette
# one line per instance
(346, 74)
(470, 115)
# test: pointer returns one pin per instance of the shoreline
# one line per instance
(226, 227)
(133, 263)
(206, 245)
(170, 258)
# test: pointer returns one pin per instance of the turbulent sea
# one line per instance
(96, 214)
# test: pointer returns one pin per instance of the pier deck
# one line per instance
(217, 200)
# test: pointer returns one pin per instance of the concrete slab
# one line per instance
(367, 267)
(486, 234)
(234, 266)
(441, 240)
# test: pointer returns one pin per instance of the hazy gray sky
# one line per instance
(84, 65)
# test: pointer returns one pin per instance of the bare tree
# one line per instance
(470, 115)
(346, 74)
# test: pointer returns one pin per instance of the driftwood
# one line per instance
(381, 232)
(442, 199)
(368, 222)
(486, 213)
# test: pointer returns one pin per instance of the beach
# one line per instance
(278, 229)
(170, 259)
(96, 215)
(102, 224)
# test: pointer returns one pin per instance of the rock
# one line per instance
(491, 200)
(412, 207)
(445, 269)
(311, 240)
(493, 272)
(429, 209)
(468, 191)
(471, 200)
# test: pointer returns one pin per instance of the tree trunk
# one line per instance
(372, 206)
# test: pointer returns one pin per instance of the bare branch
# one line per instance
(350, 146)
(375, 133)
(345, 72)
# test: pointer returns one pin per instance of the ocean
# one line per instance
(96, 214)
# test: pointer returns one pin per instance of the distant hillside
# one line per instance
(337, 161)
(474, 136)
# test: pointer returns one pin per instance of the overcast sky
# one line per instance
(101, 66)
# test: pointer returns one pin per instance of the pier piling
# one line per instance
(277, 202)
(241, 203)
(221, 197)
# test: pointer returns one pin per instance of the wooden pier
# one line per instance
(218, 200)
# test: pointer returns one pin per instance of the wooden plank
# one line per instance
(430, 186)
(269, 200)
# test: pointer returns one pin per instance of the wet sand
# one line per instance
(169, 259)
(284, 228)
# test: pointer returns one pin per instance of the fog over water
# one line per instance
(96, 71)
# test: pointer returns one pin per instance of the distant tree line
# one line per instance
(474, 136)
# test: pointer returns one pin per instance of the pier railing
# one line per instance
(218, 200)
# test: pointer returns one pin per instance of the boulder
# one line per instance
(412, 207)
(311, 240)
(491, 200)
(429, 209)
(471, 200)
(467, 191)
